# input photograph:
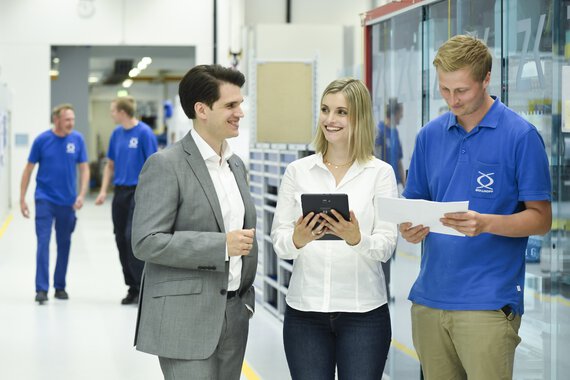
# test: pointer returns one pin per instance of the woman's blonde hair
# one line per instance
(361, 129)
(463, 51)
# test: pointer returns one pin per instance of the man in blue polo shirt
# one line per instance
(468, 297)
(132, 142)
(387, 145)
(57, 151)
(388, 148)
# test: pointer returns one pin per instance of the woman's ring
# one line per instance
(313, 233)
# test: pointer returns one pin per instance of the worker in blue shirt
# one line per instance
(387, 145)
(388, 148)
(467, 301)
(57, 151)
(132, 142)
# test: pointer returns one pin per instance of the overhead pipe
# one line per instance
(236, 27)
(215, 34)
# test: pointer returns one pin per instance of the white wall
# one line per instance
(29, 27)
(337, 13)
(5, 148)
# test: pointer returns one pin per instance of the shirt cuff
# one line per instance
(250, 309)
(363, 245)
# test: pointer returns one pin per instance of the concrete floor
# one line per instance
(90, 336)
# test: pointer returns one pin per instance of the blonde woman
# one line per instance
(337, 314)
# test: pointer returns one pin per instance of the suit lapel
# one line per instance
(198, 166)
(238, 172)
(249, 262)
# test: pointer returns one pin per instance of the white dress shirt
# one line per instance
(331, 276)
(231, 203)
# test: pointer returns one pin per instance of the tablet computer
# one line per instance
(323, 203)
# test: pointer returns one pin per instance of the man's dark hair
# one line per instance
(202, 84)
(392, 108)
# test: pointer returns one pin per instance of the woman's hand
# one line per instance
(348, 230)
(306, 230)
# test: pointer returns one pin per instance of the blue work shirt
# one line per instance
(129, 149)
(497, 166)
(390, 148)
(57, 156)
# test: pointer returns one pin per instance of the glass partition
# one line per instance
(530, 44)
(397, 79)
(448, 18)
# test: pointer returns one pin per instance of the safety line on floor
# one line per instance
(5, 224)
(407, 255)
(405, 349)
(249, 373)
(549, 299)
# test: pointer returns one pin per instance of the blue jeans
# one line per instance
(356, 344)
(64, 216)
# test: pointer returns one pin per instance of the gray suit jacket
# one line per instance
(178, 231)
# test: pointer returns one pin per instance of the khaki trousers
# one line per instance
(457, 344)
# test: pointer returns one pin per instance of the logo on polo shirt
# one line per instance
(485, 182)
(134, 142)
(70, 148)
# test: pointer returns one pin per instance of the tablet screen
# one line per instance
(323, 203)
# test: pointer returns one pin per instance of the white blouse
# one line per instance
(331, 276)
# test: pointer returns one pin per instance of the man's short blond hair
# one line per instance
(127, 104)
(464, 51)
(56, 112)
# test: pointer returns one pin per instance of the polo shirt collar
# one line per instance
(490, 120)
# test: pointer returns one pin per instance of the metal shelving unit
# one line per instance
(267, 164)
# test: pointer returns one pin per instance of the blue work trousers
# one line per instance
(356, 344)
(64, 216)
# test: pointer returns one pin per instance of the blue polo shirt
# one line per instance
(57, 156)
(497, 166)
(129, 149)
(388, 139)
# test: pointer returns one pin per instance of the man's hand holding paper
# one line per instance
(469, 223)
(439, 217)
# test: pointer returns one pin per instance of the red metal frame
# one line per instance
(367, 23)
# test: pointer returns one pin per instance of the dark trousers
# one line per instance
(64, 217)
(356, 344)
(122, 210)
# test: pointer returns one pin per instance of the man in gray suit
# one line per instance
(194, 228)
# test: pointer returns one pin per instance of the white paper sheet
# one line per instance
(419, 211)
